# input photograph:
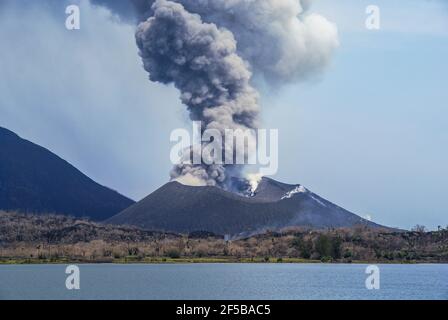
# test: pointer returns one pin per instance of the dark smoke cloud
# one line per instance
(201, 60)
(281, 39)
(209, 48)
(131, 11)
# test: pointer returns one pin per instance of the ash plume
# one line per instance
(210, 50)
(281, 39)
(201, 61)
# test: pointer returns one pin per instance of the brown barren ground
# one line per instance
(61, 239)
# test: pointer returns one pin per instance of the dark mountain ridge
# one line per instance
(35, 180)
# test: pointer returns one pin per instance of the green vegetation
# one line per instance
(328, 247)
(173, 253)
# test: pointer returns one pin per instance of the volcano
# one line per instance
(35, 180)
(274, 205)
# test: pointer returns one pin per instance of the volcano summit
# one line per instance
(274, 205)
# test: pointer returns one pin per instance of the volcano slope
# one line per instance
(35, 180)
(179, 208)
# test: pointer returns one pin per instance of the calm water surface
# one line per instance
(224, 281)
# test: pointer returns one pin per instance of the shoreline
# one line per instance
(217, 260)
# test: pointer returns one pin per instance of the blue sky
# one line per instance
(370, 134)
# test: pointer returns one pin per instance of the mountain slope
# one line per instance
(32, 179)
(180, 208)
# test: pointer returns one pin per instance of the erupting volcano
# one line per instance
(273, 205)
(216, 52)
